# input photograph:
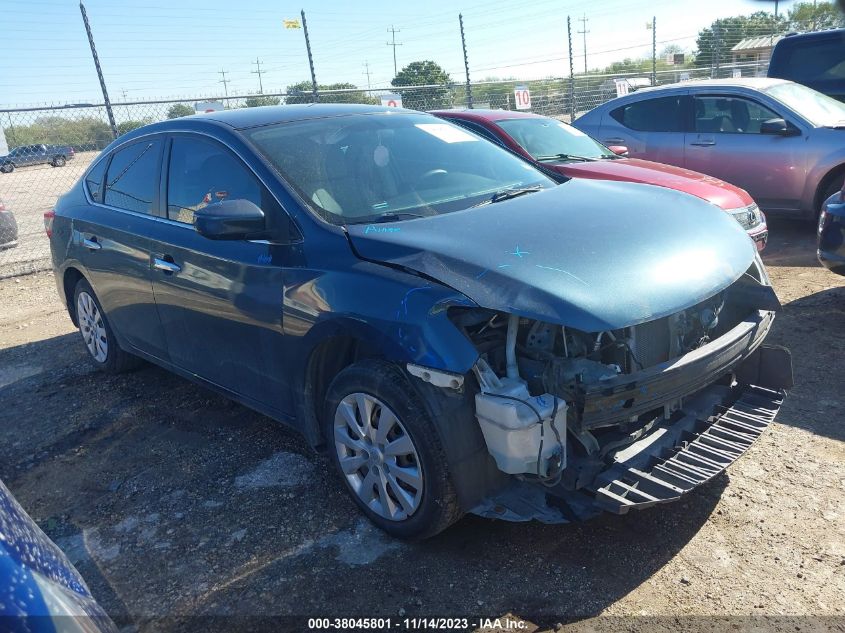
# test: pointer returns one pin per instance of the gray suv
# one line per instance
(782, 142)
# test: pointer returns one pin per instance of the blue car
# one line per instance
(40, 590)
(831, 234)
(459, 331)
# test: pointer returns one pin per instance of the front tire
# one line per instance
(103, 349)
(385, 447)
(8, 168)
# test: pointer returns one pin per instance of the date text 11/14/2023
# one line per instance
(505, 623)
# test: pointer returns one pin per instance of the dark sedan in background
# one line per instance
(459, 331)
(55, 155)
(555, 145)
(782, 142)
(8, 227)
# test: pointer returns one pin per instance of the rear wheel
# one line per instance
(59, 161)
(97, 334)
(387, 451)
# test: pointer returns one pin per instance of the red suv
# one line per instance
(555, 145)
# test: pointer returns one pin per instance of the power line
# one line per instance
(258, 72)
(584, 32)
(393, 32)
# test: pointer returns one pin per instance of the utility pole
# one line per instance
(367, 73)
(716, 44)
(393, 32)
(99, 70)
(654, 51)
(571, 72)
(225, 82)
(466, 61)
(258, 72)
(584, 32)
(310, 58)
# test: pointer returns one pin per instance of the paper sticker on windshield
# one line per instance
(572, 130)
(446, 133)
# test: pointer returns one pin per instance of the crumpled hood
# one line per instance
(719, 192)
(594, 255)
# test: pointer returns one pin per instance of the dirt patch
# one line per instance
(174, 501)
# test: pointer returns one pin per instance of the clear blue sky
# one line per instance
(176, 48)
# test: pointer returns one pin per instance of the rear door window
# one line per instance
(133, 176)
(201, 173)
(663, 114)
(814, 61)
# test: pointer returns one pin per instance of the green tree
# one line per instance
(424, 73)
(179, 109)
(813, 16)
(257, 102)
(301, 92)
(132, 124)
(716, 41)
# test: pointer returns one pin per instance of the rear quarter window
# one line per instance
(94, 180)
(663, 114)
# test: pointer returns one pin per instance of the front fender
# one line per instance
(401, 315)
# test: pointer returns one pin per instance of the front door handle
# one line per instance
(91, 243)
(703, 143)
(614, 141)
(165, 265)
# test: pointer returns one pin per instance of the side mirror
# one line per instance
(619, 150)
(778, 127)
(230, 220)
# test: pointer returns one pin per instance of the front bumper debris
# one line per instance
(712, 430)
(697, 452)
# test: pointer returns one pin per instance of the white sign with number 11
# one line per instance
(522, 98)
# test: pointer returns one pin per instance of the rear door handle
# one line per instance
(165, 265)
(703, 143)
(91, 243)
(614, 141)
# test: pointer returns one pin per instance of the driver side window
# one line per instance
(731, 115)
(201, 173)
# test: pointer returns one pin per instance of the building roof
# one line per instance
(761, 42)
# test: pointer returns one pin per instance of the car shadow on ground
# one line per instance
(173, 501)
(791, 243)
(814, 322)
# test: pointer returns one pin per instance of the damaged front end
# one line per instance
(623, 418)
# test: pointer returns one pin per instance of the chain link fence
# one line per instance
(51, 146)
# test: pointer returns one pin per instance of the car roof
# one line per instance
(752, 83)
(240, 118)
(809, 37)
(486, 114)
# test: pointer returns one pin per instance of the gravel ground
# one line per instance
(173, 501)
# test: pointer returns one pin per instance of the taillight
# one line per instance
(2, 207)
(49, 216)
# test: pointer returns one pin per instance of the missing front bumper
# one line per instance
(716, 426)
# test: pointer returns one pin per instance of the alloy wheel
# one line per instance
(92, 327)
(378, 456)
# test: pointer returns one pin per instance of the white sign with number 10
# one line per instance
(522, 98)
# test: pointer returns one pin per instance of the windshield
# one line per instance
(547, 139)
(818, 109)
(366, 167)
